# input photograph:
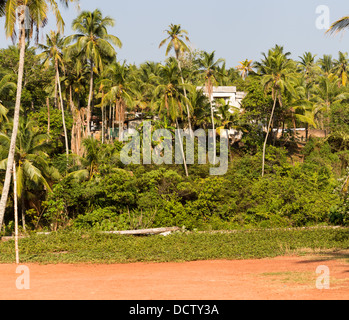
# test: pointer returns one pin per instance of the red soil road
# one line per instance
(283, 278)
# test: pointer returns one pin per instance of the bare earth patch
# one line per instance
(283, 278)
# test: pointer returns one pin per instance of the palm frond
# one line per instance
(339, 26)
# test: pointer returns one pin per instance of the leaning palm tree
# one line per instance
(175, 39)
(52, 52)
(94, 44)
(30, 15)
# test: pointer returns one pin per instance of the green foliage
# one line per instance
(56, 126)
(76, 246)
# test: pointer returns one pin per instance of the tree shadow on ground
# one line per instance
(324, 256)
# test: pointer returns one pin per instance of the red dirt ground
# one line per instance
(283, 278)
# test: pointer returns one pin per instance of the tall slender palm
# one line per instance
(169, 97)
(277, 72)
(30, 15)
(52, 52)
(208, 65)
(119, 91)
(93, 43)
(175, 39)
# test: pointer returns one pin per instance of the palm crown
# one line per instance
(175, 40)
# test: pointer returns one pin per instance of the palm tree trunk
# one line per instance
(109, 123)
(266, 138)
(15, 210)
(23, 211)
(182, 150)
(56, 83)
(90, 102)
(74, 128)
(11, 154)
(103, 123)
(121, 127)
(113, 121)
(48, 115)
(214, 133)
(62, 109)
(185, 95)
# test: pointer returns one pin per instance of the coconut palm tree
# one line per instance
(175, 39)
(119, 91)
(208, 66)
(245, 68)
(30, 158)
(30, 15)
(169, 98)
(326, 95)
(277, 76)
(326, 64)
(341, 68)
(94, 44)
(308, 67)
(52, 52)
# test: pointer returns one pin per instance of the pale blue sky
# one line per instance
(236, 30)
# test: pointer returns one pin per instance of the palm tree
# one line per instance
(76, 81)
(52, 51)
(326, 64)
(175, 39)
(326, 95)
(245, 68)
(208, 65)
(169, 97)
(308, 67)
(341, 68)
(277, 72)
(31, 15)
(94, 44)
(119, 91)
(30, 158)
(201, 109)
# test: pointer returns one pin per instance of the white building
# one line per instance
(230, 95)
(233, 98)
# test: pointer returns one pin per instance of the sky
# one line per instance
(235, 30)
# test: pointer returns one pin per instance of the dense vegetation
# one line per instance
(69, 178)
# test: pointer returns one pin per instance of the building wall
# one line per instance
(229, 94)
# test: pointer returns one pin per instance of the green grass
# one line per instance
(89, 247)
